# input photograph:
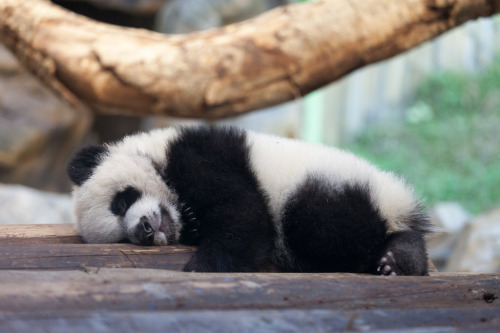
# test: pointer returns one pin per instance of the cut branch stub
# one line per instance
(273, 58)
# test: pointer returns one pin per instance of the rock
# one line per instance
(8, 63)
(23, 205)
(478, 246)
(449, 218)
(38, 132)
(182, 16)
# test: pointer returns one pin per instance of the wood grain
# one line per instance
(39, 234)
(62, 287)
(267, 320)
(58, 246)
(126, 289)
(81, 256)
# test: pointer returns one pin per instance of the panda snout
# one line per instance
(146, 227)
(145, 231)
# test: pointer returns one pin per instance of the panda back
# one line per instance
(282, 165)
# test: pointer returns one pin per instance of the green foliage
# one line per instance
(449, 147)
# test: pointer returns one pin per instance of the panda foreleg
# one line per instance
(228, 254)
(236, 235)
(210, 258)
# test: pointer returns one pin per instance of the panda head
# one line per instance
(121, 196)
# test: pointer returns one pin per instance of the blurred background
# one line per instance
(432, 115)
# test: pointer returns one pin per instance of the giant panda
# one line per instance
(248, 201)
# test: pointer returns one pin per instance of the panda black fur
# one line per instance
(249, 200)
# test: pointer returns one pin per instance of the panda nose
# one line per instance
(145, 232)
(147, 227)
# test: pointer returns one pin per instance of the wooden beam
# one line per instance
(49, 253)
(87, 256)
(268, 320)
(66, 292)
(93, 297)
(39, 234)
(58, 246)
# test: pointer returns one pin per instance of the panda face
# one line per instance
(143, 222)
(121, 196)
(146, 220)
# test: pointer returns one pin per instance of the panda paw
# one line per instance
(387, 264)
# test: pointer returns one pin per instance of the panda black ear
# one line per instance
(84, 162)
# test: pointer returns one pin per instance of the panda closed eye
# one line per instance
(123, 200)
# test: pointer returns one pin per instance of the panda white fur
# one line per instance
(249, 200)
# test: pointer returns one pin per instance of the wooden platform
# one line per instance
(50, 281)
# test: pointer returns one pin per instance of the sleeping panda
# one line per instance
(249, 201)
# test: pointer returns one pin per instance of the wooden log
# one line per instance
(100, 299)
(117, 290)
(276, 57)
(85, 256)
(58, 246)
(290, 320)
(39, 234)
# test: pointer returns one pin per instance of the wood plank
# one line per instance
(81, 256)
(39, 234)
(36, 253)
(46, 292)
(92, 296)
(291, 320)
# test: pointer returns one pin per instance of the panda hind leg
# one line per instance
(404, 254)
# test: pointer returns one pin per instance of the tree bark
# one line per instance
(275, 57)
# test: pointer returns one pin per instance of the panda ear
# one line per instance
(81, 167)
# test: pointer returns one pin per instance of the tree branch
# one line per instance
(273, 58)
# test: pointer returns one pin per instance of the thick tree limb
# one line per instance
(276, 57)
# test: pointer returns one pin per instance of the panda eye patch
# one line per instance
(123, 200)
